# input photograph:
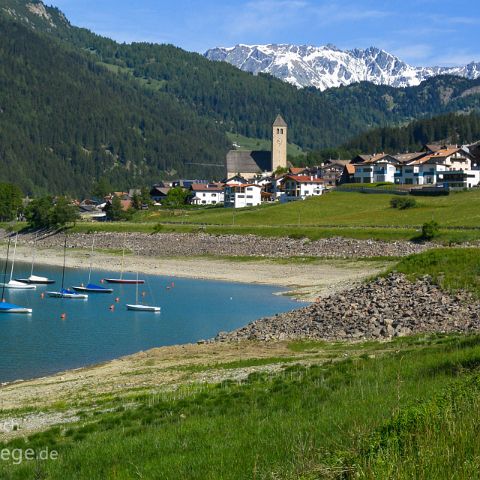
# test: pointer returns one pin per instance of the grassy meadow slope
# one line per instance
(373, 410)
(347, 214)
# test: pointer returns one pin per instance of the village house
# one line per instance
(207, 194)
(242, 195)
(375, 168)
(450, 167)
(158, 193)
(299, 187)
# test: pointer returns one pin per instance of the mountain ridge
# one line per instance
(328, 66)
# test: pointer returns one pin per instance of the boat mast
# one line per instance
(64, 254)
(91, 260)
(123, 255)
(5, 270)
(34, 252)
(13, 261)
(136, 294)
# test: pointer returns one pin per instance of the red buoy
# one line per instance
(63, 316)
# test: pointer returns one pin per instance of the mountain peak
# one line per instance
(328, 66)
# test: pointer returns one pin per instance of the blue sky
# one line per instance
(421, 32)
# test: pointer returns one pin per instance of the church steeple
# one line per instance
(279, 143)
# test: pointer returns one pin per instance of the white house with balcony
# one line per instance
(375, 168)
(299, 187)
(207, 194)
(447, 166)
(242, 195)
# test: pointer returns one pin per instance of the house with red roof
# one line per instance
(207, 193)
(298, 187)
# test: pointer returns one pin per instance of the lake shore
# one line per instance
(304, 280)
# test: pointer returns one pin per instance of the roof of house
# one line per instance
(380, 156)
(434, 147)
(303, 179)
(249, 161)
(408, 157)
(338, 162)
(279, 122)
(350, 168)
(211, 187)
(297, 170)
(159, 190)
(361, 158)
(439, 154)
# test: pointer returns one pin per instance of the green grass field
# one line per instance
(344, 214)
(350, 209)
(347, 214)
(373, 411)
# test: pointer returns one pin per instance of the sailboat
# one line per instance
(138, 307)
(121, 279)
(15, 284)
(65, 292)
(35, 279)
(91, 287)
(10, 307)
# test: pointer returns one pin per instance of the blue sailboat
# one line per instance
(6, 307)
(91, 287)
(66, 292)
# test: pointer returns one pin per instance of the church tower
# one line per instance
(279, 143)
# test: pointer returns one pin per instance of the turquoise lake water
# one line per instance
(43, 343)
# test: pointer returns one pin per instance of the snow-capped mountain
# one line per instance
(328, 66)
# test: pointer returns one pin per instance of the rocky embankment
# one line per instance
(189, 244)
(384, 308)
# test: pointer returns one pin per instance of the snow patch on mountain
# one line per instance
(328, 66)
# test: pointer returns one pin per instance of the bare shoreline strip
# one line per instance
(305, 281)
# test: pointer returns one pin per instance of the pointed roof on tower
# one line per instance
(279, 122)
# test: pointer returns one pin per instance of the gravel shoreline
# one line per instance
(189, 244)
(386, 307)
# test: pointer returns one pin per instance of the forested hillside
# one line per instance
(76, 107)
(65, 122)
(452, 128)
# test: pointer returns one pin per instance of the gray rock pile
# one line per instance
(386, 307)
(192, 244)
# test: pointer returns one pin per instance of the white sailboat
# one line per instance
(15, 284)
(66, 292)
(35, 279)
(139, 307)
(6, 307)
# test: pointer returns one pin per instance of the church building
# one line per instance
(249, 163)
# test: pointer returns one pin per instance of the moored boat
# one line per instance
(36, 280)
(124, 281)
(91, 288)
(67, 293)
(138, 307)
(12, 308)
(15, 284)
(143, 308)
